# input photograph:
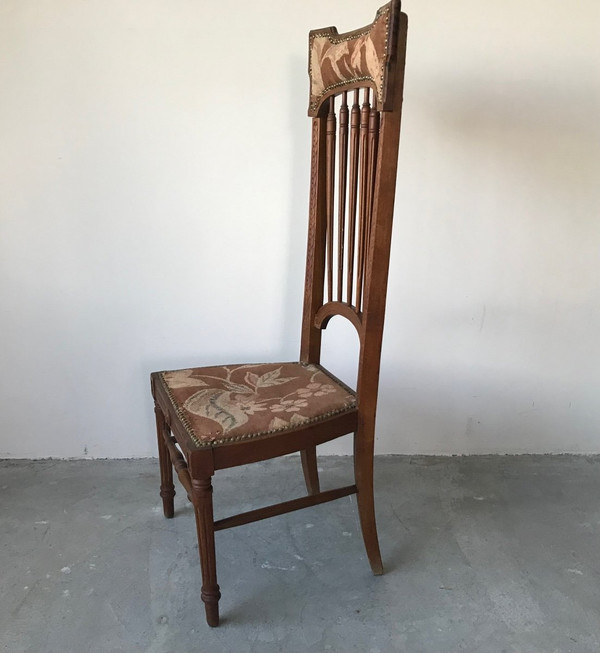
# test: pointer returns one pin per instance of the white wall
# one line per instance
(153, 200)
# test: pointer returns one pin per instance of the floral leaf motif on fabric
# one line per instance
(316, 389)
(251, 378)
(268, 379)
(249, 406)
(277, 423)
(218, 406)
(183, 379)
(289, 405)
(238, 387)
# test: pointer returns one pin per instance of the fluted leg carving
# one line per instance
(167, 489)
(203, 508)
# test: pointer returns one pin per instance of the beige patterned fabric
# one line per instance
(338, 60)
(229, 403)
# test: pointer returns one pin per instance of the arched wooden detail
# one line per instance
(329, 310)
(353, 59)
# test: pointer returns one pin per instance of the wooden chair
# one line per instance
(213, 418)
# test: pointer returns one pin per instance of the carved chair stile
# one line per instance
(213, 418)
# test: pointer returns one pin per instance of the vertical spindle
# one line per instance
(330, 192)
(363, 195)
(343, 167)
(372, 167)
(352, 194)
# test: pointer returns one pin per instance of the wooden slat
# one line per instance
(310, 350)
(343, 174)
(282, 508)
(365, 114)
(352, 194)
(330, 190)
(372, 169)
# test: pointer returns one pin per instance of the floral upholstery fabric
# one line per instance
(236, 402)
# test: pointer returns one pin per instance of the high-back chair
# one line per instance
(217, 417)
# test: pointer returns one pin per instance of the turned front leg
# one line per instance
(203, 508)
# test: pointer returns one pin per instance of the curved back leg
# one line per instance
(363, 473)
(309, 467)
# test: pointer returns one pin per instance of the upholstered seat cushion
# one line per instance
(235, 402)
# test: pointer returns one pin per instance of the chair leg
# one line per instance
(363, 473)
(167, 489)
(203, 508)
(309, 467)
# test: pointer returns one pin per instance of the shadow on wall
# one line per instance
(497, 216)
(478, 410)
(542, 132)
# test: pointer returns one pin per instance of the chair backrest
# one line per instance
(356, 82)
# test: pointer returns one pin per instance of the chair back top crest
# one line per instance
(361, 58)
(356, 81)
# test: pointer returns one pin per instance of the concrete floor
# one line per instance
(489, 554)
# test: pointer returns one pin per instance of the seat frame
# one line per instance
(363, 306)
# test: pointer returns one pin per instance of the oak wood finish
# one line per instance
(355, 134)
